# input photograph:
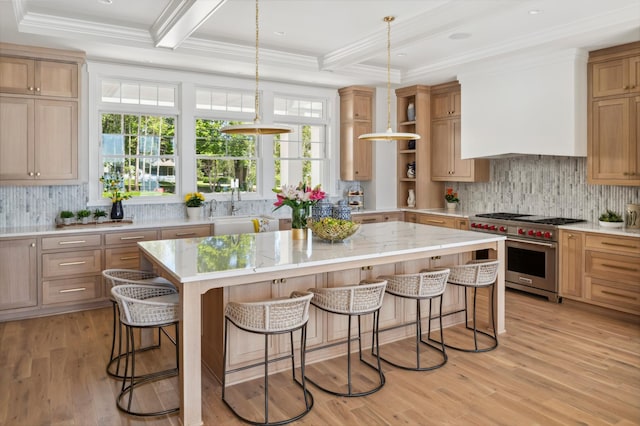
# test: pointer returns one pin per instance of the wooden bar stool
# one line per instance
(144, 307)
(270, 318)
(116, 277)
(357, 300)
(426, 285)
(476, 274)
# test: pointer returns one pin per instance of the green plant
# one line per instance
(610, 216)
(83, 213)
(99, 213)
(66, 214)
(114, 187)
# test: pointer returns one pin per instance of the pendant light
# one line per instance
(389, 135)
(257, 127)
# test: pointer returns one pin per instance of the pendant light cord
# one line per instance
(388, 20)
(257, 99)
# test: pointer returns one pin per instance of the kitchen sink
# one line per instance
(226, 225)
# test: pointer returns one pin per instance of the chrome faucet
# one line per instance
(234, 208)
(213, 205)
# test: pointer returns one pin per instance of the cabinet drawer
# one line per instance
(122, 258)
(186, 232)
(74, 241)
(611, 243)
(435, 220)
(618, 295)
(130, 237)
(367, 218)
(71, 263)
(71, 290)
(613, 266)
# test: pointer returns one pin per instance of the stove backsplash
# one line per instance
(543, 185)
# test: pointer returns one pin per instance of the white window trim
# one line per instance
(186, 113)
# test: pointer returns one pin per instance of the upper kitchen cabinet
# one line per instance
(446, 157)
(39, 107)
(415, 154)
(614, 116)
(356, 118)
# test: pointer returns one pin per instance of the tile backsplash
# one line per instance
(543, 185)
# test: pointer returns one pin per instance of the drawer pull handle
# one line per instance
(62, 243)
(72, 263)
(136, 237)
(611, 293)
(624, 268)
(434, 221)
(129, 257)
(184, 234)
(605, 243)
(372, 219)
(73, 290)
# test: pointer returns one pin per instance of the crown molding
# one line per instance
(180, 19)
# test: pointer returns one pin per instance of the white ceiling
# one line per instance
(326, 42)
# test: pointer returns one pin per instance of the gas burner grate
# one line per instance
(502, 216)
(556, 221)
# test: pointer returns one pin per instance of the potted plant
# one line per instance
(451, 198)
(66, 217)
(194, 202)
(83, 215)
(610, 219)
(99, 215)
(114, 189)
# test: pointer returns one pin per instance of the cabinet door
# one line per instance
(610, 78)
(610, 140)
(56, 152)
(461, 168)
(634, 74)
(441, 105)
(18, 266)
(634, 142)
(56, 79)
(17, 75)
(361, 151)
(440, 154)
(571, 265)
(362, 107)
(16, 138)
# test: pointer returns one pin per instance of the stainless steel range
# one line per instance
(531, 249)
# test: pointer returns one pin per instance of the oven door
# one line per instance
(531, 266)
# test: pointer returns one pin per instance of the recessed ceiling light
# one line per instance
(535, 11)
(280, 33)
(105, 1)
(459, 36)
(401, 55)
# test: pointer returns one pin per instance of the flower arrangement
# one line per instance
(114, 184)
(450, 196)
(194, 199)
(299, 198)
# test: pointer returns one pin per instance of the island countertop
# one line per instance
(226, 256)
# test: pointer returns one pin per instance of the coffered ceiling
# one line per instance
(324, 42)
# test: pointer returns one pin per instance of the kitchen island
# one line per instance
(210, 271)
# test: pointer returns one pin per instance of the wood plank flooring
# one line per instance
(558, 364)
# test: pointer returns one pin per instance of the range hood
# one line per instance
(531, 105)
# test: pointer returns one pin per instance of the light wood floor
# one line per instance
(557, 365)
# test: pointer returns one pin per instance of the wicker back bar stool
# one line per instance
(356, 300)
(425, 285)
(476, 274)
(270, 317)
(116, 277)
(141, 307)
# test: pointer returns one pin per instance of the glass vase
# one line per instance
(299, 216)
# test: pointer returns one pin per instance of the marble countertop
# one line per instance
(196, 259)
(595, 227)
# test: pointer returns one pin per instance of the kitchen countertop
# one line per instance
(595, 227)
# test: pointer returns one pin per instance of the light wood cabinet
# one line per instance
(38, 116)
(377, 217)
(428, 194)
(356, 108)
(186, 232)
(601, 269)
(614, 116)
(437, 220)
(18, 273)
(446, 156)
(571, 246)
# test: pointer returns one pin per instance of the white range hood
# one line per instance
(533, 105)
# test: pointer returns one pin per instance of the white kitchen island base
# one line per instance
(209, 271)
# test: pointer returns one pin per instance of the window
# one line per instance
(136, 93)
(301, 155)
(222, 158)
(140, 148)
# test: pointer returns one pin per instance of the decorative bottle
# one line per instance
(411, 112)
(411, 201)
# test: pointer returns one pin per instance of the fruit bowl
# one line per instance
(330, 229)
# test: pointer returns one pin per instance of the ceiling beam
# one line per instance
(180, 19)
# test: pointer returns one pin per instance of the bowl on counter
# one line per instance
(332, 230)
(604, 224)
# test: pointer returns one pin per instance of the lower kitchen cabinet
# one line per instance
(377, 217)
(452, 222)
(601, 269)
(18, 273)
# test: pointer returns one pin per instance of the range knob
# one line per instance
(539, 234)
(473, 224)
(492, 228)
(520, 231)
(547, 235)
(503, 229)
(530, 233)
(486, 226)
